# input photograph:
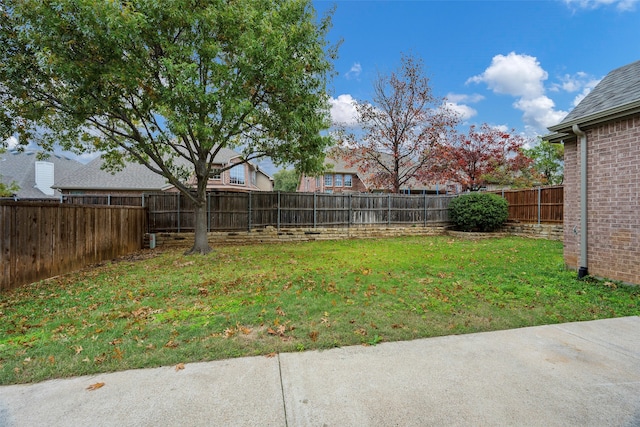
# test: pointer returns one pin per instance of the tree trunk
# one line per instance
(201, 239)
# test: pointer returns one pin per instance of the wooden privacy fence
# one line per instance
(173, 212)
(40, 240)
(535, 205)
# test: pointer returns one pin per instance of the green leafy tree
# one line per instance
(168, 83)
(286, 180)
(548, 161)
(7, 190)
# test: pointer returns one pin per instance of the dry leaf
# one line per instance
(51, 359)
(313, 335)
(179, 367)
(171, 344)
(78, 349)
(117, 353)
(244, 330)
(95, 386)
(279, 312)
(270, 355)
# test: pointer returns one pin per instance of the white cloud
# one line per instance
(621, 5)
(464, 112)
(458, 104)
(522, 77)
(578, 82)
(343, 110)
(513, 74)
(355, 71)
(539, 112)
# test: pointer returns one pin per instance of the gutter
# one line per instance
(592, 119)
(583, 267)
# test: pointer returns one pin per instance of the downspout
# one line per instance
(583, 267)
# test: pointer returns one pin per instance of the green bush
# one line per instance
(478, 212)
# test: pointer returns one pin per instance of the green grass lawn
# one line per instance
(162, 308)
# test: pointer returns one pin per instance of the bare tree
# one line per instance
(403, 130)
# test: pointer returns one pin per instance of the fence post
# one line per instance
(350, 210)
(278, 211)
(389, 210)
(315, 210)
(108, 199)
(178, 212)
(539, 213)
(249, 219)
(425, 209)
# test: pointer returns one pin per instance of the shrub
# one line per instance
(478, 212)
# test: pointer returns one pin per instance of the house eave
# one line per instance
(597, 118)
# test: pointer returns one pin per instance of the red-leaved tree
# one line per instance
(403, 130)
(488, 155)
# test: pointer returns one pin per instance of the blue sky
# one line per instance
(514, 64)
(519, 65)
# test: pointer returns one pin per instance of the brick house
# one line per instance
(342, 178)
(601, 138)
(339, 178)
(136, 179)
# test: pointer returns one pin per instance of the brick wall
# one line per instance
(613, 202)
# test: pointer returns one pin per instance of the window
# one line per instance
(338, 180)
(236, 175)
(254, 178)
(317, 182)
(328, 180)
(348, 181)
(215, 174)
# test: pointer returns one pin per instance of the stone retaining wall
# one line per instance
(538, 231)
(272, 235)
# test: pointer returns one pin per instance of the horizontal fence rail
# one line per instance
(173, 212)
(233, 211)
(535, 205)
(40, 240)
(246, 211)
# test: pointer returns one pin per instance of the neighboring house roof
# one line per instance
(617, 95)
(134, 176)
(21, 167)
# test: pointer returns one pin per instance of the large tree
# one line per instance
(485, 155)
(286, 180)
(168, 83)
(402, 131)
(548, 161)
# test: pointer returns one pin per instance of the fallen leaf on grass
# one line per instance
(95, 386)
(270, 355)
(313, 335)
(179, 367)
(171, 344)
(184, 264)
